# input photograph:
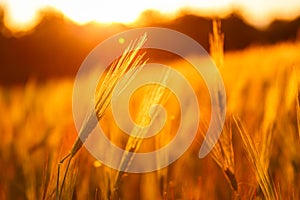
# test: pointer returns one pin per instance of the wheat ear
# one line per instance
(156, 94)
(265, 182)
(129, 60)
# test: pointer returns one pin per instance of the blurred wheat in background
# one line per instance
(256, 157)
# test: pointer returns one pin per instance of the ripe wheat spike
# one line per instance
(156, 94)
(130, 60)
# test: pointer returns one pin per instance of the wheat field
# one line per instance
(257, 156)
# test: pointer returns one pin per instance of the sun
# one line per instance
(100, 11)
(21, 15)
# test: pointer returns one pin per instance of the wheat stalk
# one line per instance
(298, 103)
(216, 43)
(162, 173)
(298, 112)
(129, 60)
(223, 155)
(156, 94)
(265, 182)
(222, 152)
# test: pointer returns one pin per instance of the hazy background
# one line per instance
(47, 43)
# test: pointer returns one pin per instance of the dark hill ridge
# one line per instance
(57, 46)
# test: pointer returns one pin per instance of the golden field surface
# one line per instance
(257, 156)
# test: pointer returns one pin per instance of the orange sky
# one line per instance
(24, 14)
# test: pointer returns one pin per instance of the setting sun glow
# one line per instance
(20, 15)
